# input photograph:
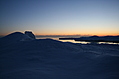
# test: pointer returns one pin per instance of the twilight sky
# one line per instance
(60, 17)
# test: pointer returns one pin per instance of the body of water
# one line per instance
(72, 41)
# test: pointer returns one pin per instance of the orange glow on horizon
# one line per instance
(82, 34)
(67, 33)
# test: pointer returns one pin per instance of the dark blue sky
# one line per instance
(47, 17)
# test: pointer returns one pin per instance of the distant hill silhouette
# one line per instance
(99, 39)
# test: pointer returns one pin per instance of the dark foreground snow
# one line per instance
(51, 59)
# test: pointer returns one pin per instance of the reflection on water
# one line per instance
(73, 41)
(107, 43)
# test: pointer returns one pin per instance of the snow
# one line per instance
(51, 59)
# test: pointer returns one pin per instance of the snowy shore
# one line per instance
(51, 59)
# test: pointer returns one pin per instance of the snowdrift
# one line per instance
(51, 59)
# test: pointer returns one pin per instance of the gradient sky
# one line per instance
(55, 17)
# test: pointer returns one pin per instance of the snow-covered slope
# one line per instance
(51, 59)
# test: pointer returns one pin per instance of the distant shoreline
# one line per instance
(113, 39)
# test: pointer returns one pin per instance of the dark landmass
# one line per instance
(66, 38)
(114, 39)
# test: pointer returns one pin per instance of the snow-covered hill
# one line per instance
(51, 59)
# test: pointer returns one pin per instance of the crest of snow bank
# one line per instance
(18, 36)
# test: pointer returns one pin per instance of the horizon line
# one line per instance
(36, 34)
(69, 35)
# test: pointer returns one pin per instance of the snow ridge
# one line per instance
(51, 59)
